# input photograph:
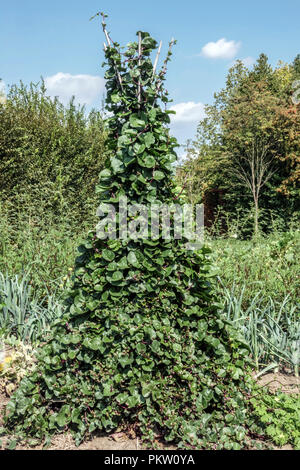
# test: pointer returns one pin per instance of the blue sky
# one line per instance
(56, 40)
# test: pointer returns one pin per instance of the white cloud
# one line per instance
(221, 49)
(187, 112)
(85, 88)
(184, 123)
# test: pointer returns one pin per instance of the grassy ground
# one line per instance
(269, 265)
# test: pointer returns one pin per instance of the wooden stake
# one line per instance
(104, 30)
(109, 45)
(156, 59)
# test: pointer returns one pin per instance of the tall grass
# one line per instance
(269, 265)
(44, 251)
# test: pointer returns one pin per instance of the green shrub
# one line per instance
(280, 414)
(41, 248)
(50, 155)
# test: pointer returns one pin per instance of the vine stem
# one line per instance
(164, 69)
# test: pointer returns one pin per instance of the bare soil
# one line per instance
(287, 383)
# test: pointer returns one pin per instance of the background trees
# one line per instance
(247, 146)
(244, 159)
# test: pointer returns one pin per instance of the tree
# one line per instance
(248, 144)
(296, 66)
(143, 344)
(250, 138)
(288, 118)
(262, 70)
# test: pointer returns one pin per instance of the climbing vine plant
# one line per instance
(142, 345)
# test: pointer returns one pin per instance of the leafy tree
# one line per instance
(289, 119)
(248, 143)
(262, 70)
(250, 137)
(296, 66)
(143, 344)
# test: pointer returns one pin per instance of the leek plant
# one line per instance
(21, 314)
(271, 329)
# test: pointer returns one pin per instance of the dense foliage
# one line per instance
(50, 155)
(281, 415)
(143, 343)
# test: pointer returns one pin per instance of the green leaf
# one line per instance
(72, 354)
(12, 444)
(158, 175)
(138, 148)
(104, 174)
(132, 259)
(115, 98)
(155, 346)
(152, 114)
(108, 255)
(229, 418)
(75, 339)
(132, 401)
(117, 276)
(122, 264)
(149, 139)
(117, 165)
(147, 162)
(136, 122)
(176, 347)
(141, 348)
(124, 141)
(124, 361)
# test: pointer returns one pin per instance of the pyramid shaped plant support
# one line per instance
(142, 345)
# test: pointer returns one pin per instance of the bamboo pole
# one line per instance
(156, 59)
(109, 45)
(140, 53)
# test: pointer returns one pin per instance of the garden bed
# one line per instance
(121, 441)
